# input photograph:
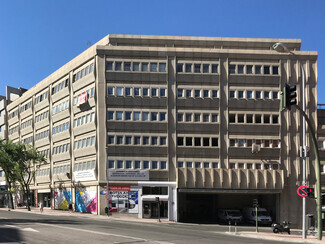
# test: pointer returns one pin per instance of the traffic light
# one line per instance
(310, 192)
(288, 97)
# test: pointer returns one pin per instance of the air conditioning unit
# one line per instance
(256, 148)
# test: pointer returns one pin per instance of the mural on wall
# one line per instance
(86, 200)
(62, 199)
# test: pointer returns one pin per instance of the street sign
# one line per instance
(302, 191)
(108, 196)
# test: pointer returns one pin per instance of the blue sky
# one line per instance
(38, 37)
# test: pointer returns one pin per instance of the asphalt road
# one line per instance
(20, 227)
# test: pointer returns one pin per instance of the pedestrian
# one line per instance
(41, 207)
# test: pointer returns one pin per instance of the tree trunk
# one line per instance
(11, 200)
(28, 203)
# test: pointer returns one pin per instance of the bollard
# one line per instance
(235, 227)
(229, 226)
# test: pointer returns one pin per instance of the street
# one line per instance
(21, 227)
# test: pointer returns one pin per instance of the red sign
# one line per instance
(303, 191)
(108, 196)
(119, 188)
(82, 98)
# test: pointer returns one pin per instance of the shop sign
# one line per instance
(119, 188)
(82, 98)
(128, 174)
(86, 175)
(3, 183)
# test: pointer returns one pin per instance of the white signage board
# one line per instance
(87, 175)
(127, 174)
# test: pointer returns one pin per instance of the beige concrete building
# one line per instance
(194, 121)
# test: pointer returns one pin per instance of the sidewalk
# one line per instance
(293, 238)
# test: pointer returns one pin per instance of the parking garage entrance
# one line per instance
(201, 206)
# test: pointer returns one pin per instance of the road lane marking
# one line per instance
(23, 229)
(3, 218)
(93, 232)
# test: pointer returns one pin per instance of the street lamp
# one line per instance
(280, 47)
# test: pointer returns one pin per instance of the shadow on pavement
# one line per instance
(8, 235)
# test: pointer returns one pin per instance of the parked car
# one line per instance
(263, 217)
(230, 215)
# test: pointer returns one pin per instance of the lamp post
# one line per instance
(280, 47)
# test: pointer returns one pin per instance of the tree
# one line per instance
(26, 158)
(8, 166)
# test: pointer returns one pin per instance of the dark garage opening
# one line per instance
(203, 207)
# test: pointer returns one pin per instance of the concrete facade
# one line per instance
(197, 116)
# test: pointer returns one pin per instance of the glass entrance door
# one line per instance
(150, 210)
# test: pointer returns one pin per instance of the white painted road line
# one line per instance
(93, 232)
(20, 228)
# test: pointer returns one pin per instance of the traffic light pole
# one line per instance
(317, 173)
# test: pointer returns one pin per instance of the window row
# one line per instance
(63, 169)
(197, 164)
(45, 153)
(13, 130)
(137, 140)
(197, 93)
(190, 141)
(85, 142)
(28, 140)
(82, 166)
(60, 86)
(250, 94)
(197, 117)
(197, 68)
(266, 166)
(41, 97)
(60, 128)
(249, 143)
(136, 66)
(60, 107)
(42, 135)
(26, 106)
(85, 119)
(90, 92)
(13, 114)
(42, 172)
(42, 116)
(136, 91)
(26, 123)
(321, 144)
(254, 69)
(136, 116)
(61, 149)
(137, 164)
(254, 118)
(82, 73)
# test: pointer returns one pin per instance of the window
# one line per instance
(240, 118)
(258, 119)
(137, 140)
(232, 94)
(162, 67)
(145, 140)
(275, 70)
(240, 69)
(275, 95)
(111, 164)
(163, 165)
(119, 91)
(214, 93)
(162, 116)
(144, 67)
(180, 141)
(146, 164)
(188, 93)
(197, 165)
(188, 141)
(118, 66)
(137, 164)
(249, 118)
(206, 117)
(197, 117)
(145, 116)
(145, 92)
(206, 141)
(154, 140)
(179, 67)
(128, 140)
(127, 91)
(275, 119)
(154, 116)
(119, 164)
(214, 118)
(206, 93)
(154, 165)
(128, 164)
(188, 117)
(232, 118)
(136, 91)
(153, 67)
(180, 117)
(249, 94)
(109, 65)
(136, 116)
(163, 140)
(232, 142)
(119, 140)
(232, 69)
(162, 92)
(179, 92)
(189, 164)
(215, 165)
(266, 70)
(240, 94)
(188, 68)
(266, 95)
(154, 92)
(249, 69)
(127, 66)
(206, 165)
(197, 93)
(214, 68)
(197, 68)
(258, 69)
(119, 115)
(136, 66)
(206, 68)
(127, 115)
(180, 164)
(197, 141)
(214, 142)
(266, 119)
(258, 94)
(110, 140)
